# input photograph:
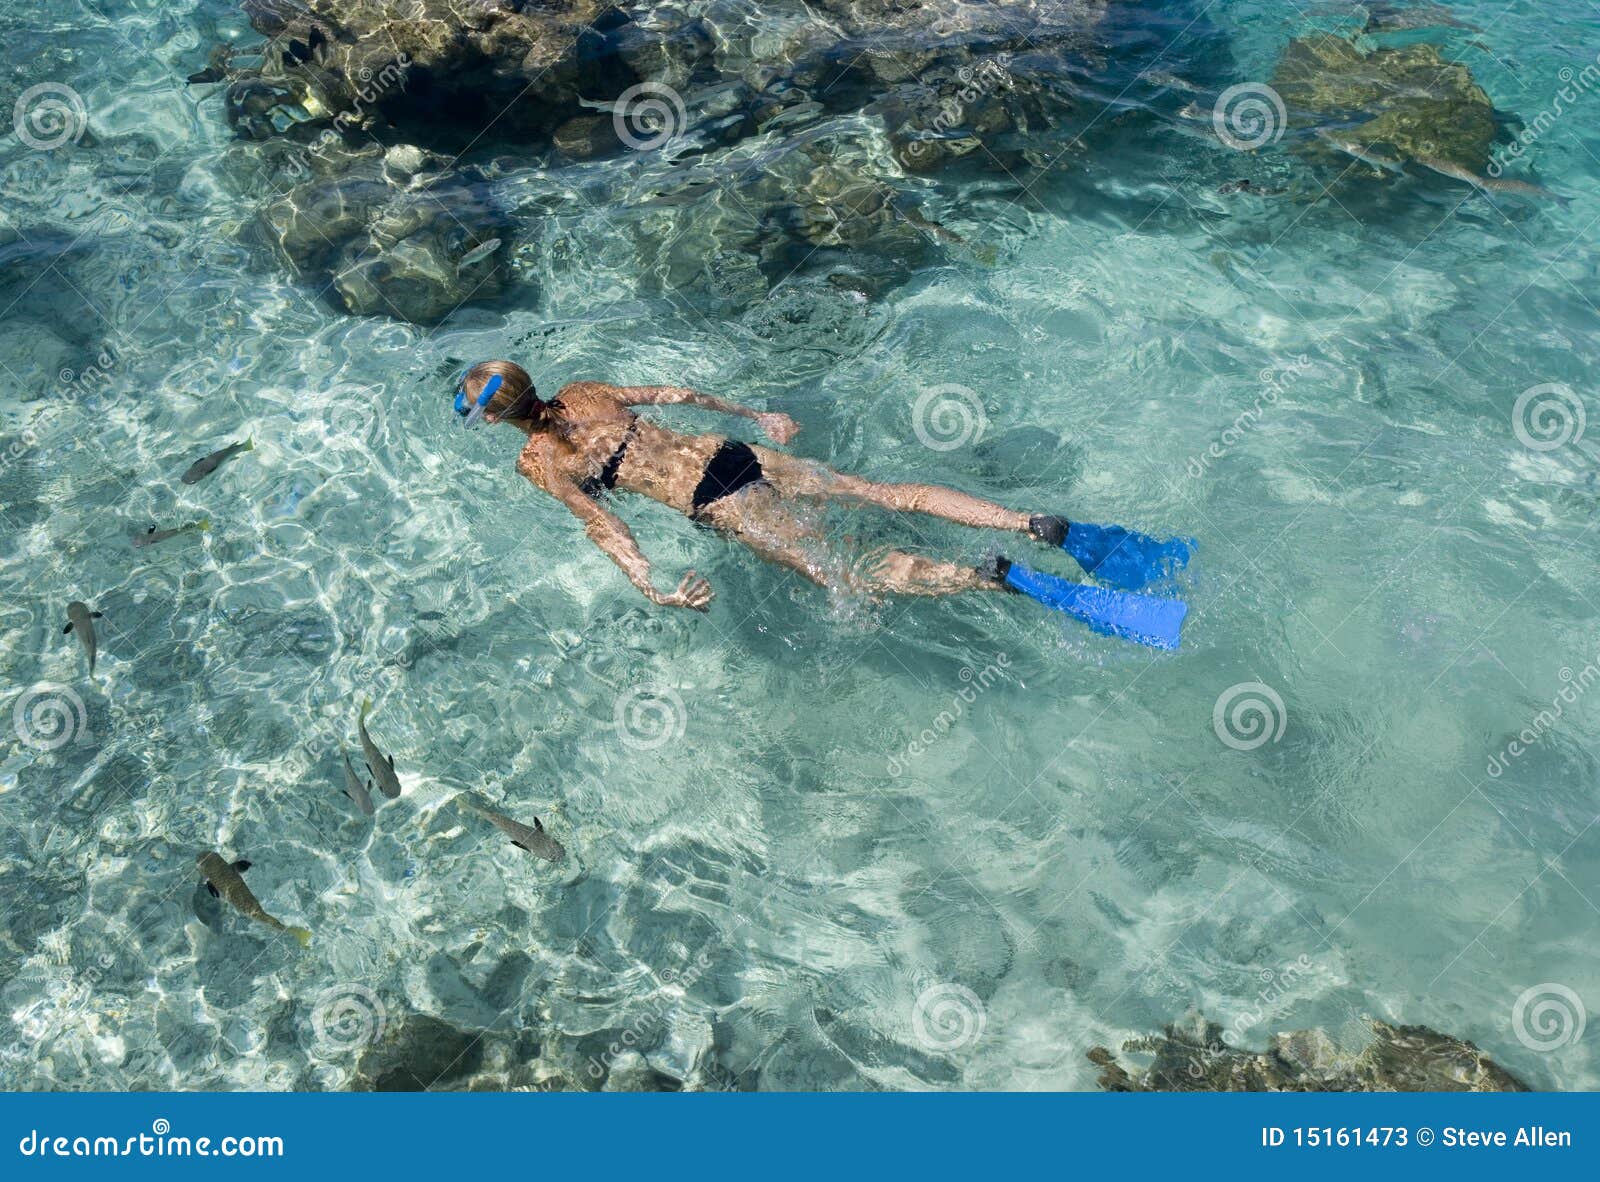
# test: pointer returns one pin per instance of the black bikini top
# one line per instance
(593, 486)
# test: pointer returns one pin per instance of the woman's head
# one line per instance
(510, 392)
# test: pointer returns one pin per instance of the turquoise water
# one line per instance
(775, 878)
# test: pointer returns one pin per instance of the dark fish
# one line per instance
(81, 620)
(226, 882)
(356, 790)
(379, 765)
(202, 468)
(1389, 18)
(535, 841)
(273, 16)
(305, 51)
(153, 535)
(216, 66)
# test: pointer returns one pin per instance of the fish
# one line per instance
(153, 535)
(534, 841)
(355, 789)
(1388, 18)
(1489, 184)
(216, 69)
(478, 253)
(202, 468)
(305, 51)
(225, 881)
(917, 218)
(1359, 152)
(81, 620)
(379, 765)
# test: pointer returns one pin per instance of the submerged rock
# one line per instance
(403, 252)
(1194, 1058)
(1411, 103)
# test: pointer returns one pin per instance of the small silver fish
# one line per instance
(225, 881)
(478, 253)
(381, 766)
(1362, 153)
(81, 620)
(202, 468)
(1489, 184)
(153, 535)
(355, 789)
(534, 841)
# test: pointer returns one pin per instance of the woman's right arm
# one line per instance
(611, 534)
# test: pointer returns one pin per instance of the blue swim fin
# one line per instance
(1140, 618)
(1122, 558)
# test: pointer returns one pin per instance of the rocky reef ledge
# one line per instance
(405, 152)
(1192, 1057)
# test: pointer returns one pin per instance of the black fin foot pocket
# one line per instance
(1048, 529)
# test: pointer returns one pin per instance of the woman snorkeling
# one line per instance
(587, 440)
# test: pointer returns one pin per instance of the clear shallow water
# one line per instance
(765, 874)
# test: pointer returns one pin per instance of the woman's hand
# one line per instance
(779, 428)
(693, 592)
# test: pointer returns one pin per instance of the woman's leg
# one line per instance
(758, 517)
(805, 478)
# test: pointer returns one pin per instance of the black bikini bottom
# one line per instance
(732, 467)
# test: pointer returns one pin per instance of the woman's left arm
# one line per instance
(778, 427)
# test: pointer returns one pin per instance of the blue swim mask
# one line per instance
(475, 411)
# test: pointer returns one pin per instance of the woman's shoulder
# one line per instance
(588, 397)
